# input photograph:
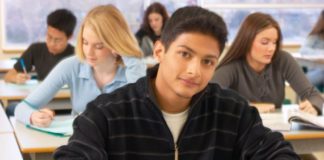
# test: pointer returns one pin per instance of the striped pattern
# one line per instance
(127, 125)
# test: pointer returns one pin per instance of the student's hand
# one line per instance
(307, 107)
(42, 118)
(264, 107)
(21, 78)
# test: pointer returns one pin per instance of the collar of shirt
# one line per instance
(86, 73)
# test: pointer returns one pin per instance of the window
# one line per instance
(24, 22)
(295, 17)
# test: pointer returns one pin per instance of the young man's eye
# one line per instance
(184, 54)
(208, 62)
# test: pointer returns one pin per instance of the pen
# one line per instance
(22, 63)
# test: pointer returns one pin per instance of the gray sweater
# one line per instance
(269, 85)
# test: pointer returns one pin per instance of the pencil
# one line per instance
(22, 63)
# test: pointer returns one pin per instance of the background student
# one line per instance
(174, 113)
(154, 20)
(257, 68)
(314, 45)
(44, 56)
(108, 57)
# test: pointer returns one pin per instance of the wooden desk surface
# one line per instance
(32, 141)
(9, 149)
(6, 65)
(5, 126)
(303, 134)
(9, 91)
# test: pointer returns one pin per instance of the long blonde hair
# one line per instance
(112, 29)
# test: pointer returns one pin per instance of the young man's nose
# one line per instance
(194, 68)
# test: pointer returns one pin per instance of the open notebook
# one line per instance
(306, 119)
(57, 128)
(291, 114)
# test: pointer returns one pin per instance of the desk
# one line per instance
(6, 65)
(310, 61)
(5, 126)
(39, 145)
(9, 149)
(304, 140)
(16, 92)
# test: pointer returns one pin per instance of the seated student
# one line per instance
(44, 56)
(108, 57)
(257, 68)
(314, 45)
(154, 20)
(174, 113)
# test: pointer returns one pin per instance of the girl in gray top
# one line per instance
(257, 68)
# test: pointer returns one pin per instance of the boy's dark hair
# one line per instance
(194, 19)
(63, 20)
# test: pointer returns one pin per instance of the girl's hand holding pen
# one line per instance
(21, 78)
(42, 117)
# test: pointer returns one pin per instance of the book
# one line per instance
(289, 114)
(275, 121)
(306, 119)
(58, 127)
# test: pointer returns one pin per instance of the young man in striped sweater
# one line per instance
(173, 113)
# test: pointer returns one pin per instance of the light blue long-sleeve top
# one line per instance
(83, 87)
(314, 45)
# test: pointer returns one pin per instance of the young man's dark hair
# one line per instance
(198, 20)
(63, 20)
(173, 112)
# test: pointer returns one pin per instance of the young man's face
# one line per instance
(56, 40)
(187, 66)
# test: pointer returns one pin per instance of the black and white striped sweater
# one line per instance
(128, 125)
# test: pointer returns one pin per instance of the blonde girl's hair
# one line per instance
(112, 30)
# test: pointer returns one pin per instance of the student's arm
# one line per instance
(59, 76)
(257, 142)
(309, 49)
(17, 75)
(89, 137)
(13, 76)
(135, 68)
(293, 73)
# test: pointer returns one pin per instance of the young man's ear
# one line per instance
(158, 51)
